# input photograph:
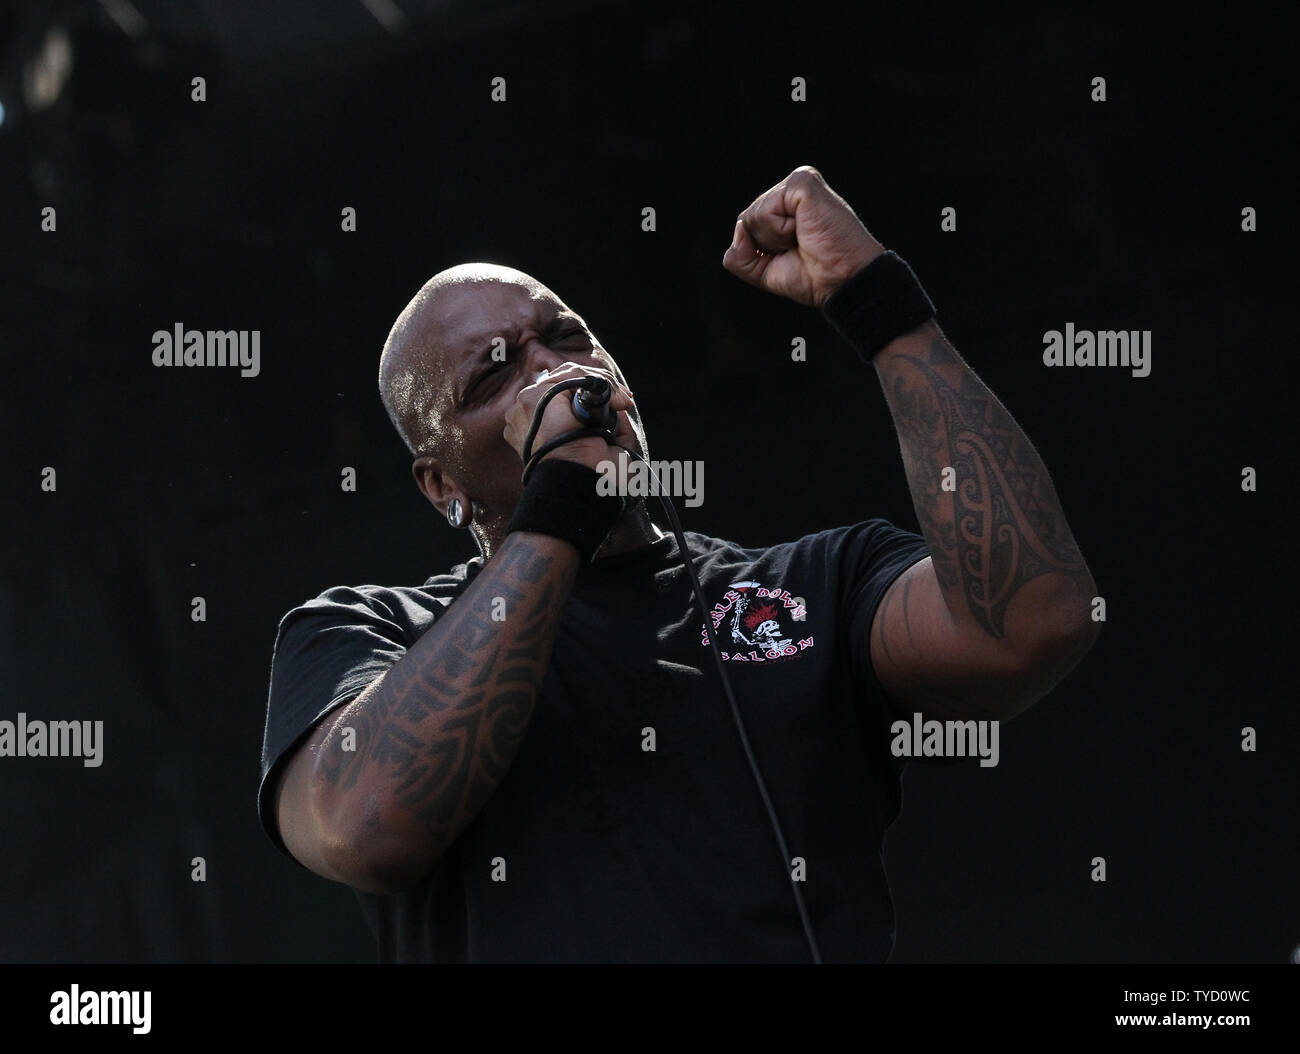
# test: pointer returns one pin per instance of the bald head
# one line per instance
(455, 365)
(413, 383)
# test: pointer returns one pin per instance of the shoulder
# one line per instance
(854, 563)
(873, 535)
(403, 605)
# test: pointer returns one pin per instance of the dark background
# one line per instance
(226, 215)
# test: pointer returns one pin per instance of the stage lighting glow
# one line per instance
(49, 70)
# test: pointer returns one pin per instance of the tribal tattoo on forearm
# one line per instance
(441, 730)
(999, 523)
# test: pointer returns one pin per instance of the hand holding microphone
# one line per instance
(576, 427)
(591, 405)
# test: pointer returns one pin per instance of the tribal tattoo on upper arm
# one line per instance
(999, 524)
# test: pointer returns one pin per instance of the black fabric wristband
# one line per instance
(882, 301)
(561, 500)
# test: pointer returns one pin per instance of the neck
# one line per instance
(633, 531)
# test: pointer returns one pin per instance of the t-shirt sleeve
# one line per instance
(876, 554)
(327, 651)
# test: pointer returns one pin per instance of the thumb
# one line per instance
(743, 257)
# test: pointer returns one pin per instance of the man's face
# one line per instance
(477, 388)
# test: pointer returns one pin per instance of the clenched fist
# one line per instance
(800, 240)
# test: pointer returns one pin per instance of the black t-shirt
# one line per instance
(595, 847)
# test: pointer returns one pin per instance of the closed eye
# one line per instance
(476, 389)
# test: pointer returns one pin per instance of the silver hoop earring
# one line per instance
(455, 514)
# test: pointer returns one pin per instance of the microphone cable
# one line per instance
(591, 410)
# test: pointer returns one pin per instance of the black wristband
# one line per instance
(882, 301)
(561, 500)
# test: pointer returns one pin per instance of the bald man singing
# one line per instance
(531, 757)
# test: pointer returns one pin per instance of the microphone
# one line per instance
(591, 404)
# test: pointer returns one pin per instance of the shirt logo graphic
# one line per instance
(756, 624)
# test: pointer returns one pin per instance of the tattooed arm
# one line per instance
(438, 731)
(1000, 610)
(435, 734)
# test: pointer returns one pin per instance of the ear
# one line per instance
(436, 485)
